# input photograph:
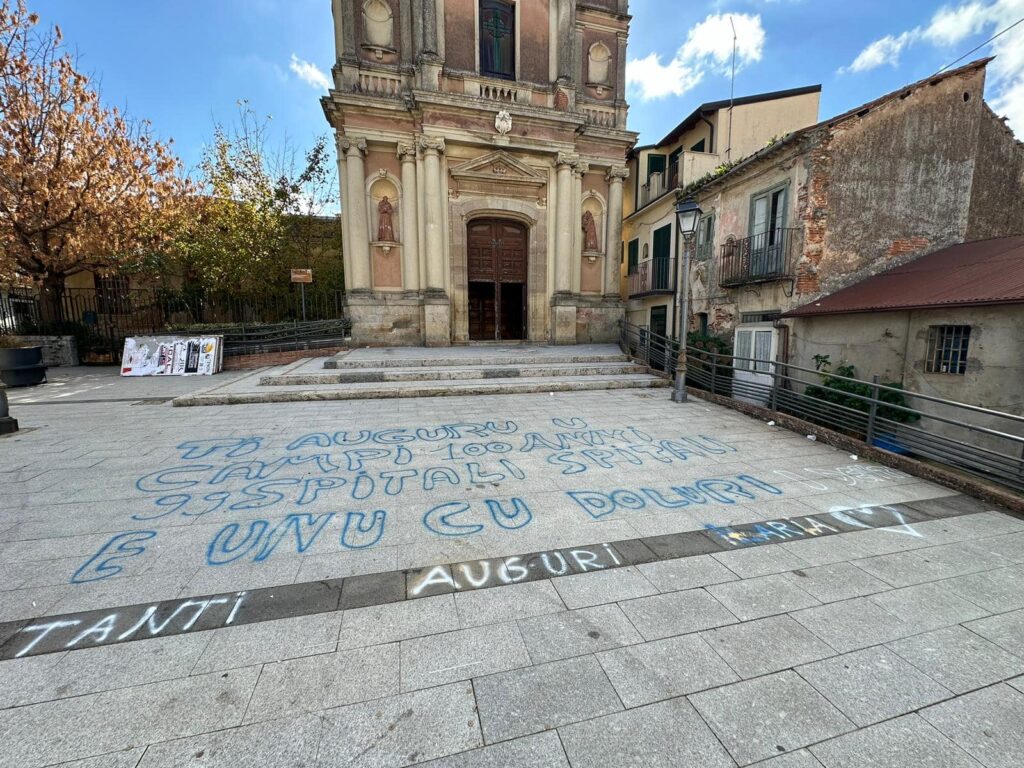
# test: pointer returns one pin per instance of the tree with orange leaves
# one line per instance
(82, 187)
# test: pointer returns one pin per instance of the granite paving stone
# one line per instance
(873, 684)
(111, 721)
(540, 750)
(766, 645)
(586, 589)
(574, 633)
(759, 561)
(663, 735)
(266, 641)
(462, 654)
(397, 621)
(906, 742)
(686, 573)
(288, 742)
(853, 624)
(959, 659)
(764, 717)
(928, 606)
(401, 730)
(91, 670)
(1005, 630)
(800, 759)
(763, 596)
(903, 569)
(664, 669)
(676, 613)
(320, 682)
(837, 581)
(515, 601)
(988, 724)
(996, 591)
(539, 698)
(125, 758)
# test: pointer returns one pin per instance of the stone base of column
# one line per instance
(598, 318)
(437, 320)
(391, 319)
(8, 424)
(563, 319)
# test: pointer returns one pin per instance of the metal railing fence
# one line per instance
(970, 438)
(758, 258)
(100, 319)
(657, 275)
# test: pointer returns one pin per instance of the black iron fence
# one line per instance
(758, 258)
(101, 319)
(970, 438)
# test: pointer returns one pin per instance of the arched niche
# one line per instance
(596, 206)
(378, 27)
(379, 186)
(599, 67)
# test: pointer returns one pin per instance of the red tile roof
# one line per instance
(969, 274)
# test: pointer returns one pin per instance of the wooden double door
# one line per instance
(497, 279)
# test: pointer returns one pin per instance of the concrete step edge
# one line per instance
(464, 362)
(472, 373)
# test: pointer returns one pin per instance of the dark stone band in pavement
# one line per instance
(87, 629)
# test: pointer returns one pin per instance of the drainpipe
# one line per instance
(711, 131)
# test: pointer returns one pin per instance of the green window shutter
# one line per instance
(634, 256)
(663, 242)
(655, 164)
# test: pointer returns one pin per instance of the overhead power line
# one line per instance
(997, 34)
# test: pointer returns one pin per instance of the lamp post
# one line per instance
(687, 216)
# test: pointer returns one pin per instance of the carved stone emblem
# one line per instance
(503, 122)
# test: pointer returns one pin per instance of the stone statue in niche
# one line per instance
(385, 229)
(503, 122)
(590, 232)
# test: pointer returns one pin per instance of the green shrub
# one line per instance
(841, 392)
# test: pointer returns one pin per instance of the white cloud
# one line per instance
(885, 50)
(309, 73)
(954, 25)
(707, 48)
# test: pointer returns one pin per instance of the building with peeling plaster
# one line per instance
(481, 150)
(922, 168)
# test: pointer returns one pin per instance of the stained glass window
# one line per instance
(498, 39)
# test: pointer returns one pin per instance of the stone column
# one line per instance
(432, 149)
(613, 231)
(343, 196)
(410, 224)
(578, 173)
(563, 303)
(359, 240)
(564, 208)
(436, 309)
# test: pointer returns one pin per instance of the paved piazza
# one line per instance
(584, 579)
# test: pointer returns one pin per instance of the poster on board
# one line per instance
(172, 356)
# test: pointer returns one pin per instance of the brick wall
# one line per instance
(243, 362)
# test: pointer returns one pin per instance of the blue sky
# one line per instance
(183, 63)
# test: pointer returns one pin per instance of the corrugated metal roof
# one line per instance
(969, 274)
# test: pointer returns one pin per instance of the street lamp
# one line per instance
(687, 216)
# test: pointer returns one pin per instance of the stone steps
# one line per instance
(451, 373)
(502, 358)
(405, 389)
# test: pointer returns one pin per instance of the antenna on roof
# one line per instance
(732, 89)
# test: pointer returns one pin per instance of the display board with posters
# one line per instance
(172, 356)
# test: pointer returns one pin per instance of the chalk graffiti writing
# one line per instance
(599, 504)
(128, 624)
(109, 561)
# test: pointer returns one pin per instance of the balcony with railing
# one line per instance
(684, 169)
(654, 276)
(759, 258)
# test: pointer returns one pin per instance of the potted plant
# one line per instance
(20, 365)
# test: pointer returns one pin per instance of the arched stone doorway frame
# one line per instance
(534, 218)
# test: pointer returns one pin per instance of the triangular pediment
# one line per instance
(498, 165)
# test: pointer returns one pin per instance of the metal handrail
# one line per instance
(953, 439)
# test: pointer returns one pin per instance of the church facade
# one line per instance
(481, 154)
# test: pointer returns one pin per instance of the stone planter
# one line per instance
(22, 366)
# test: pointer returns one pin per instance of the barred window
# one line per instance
(947, 349)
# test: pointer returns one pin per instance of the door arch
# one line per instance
(497, 256)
